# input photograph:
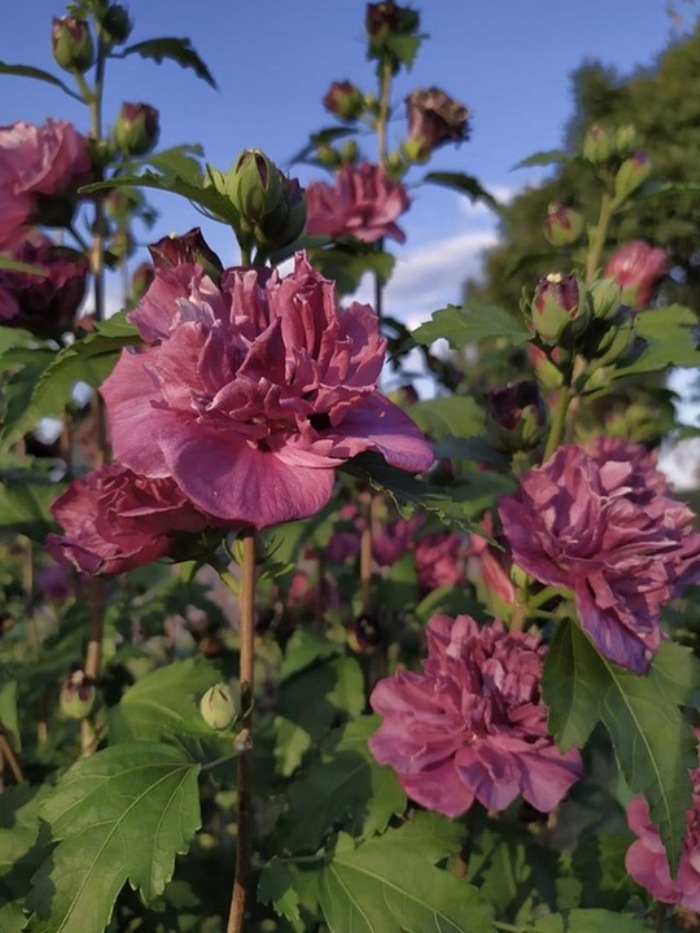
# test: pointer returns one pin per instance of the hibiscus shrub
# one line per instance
(280, 650)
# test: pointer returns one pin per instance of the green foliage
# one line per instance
(670, 333)
(465, 184)
(148, 804)
(474, 322)
(653, 743)
(37, 74)
(589, 921)
(179, 51)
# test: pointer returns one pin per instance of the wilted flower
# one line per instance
(116, 521)
(439, 560)
(364, 203)
(638, 268)
(434, 118)
(43, 304)
(601, 524)
(254, 391)
(137, 129)
(472, 725)
(40, 169)
(646, 860)
(387, 18)
(344, 99)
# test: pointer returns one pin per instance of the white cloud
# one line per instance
(430, 277)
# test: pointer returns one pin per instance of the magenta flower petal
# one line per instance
(232, 480)
(471, 725)
(253, 391)
(602, 524)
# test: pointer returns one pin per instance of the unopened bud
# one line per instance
(632, 174)
(345, 100)
(72, 44)
(605, 296)
(598, 144)
(328, 156)
(349, 152)
(364, 633)
(254, 185)
(77, 695)
(516, 417)
(217, 707)
(137, 129)
(626, 140)
(554, 306)
(563, 225)
(114, 26)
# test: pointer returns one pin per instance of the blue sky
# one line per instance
(508, 60)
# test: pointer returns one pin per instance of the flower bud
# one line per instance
(554, 306)
(349, 151)
(626, 140)
(217, 707)
(283, 225)
(546, 371)
(171, 251)
(328, 156)
(137, 129)
(77, 695)
(115, 25)
(638, 268)
(72, 44)
(345, 100)
(563, 225)
(254, 185)
(364, 633)
(632, 174)
(141, 280)
(516, 417)
(387, 18)
(121, 245)
(598, 144)
(605, 296)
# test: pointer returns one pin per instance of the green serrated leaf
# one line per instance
(121, 815)
(382, 886)
(345, 788)
(671, 335)
(175, 50)
(276, 888)
(472, 323)
(590, 921)
(465, 184)
(546, 157)
(448, 416)
(38, 74)
(654, 745)
(164, 703)
(303, 649)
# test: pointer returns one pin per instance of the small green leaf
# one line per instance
(346, 787)
(546, 157)
(14, 266)
(276, 888)
(465, 184)
(121, 815)
(472, 323)
(175, 50)
(38, 74)
(163, 703)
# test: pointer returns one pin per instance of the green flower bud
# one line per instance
(328, 156)
(77, 695)
(632, 174)
(605, 296)
(563, 225)
(349, 151)
(598, 145)
(114, 26)
(136, 129)
(217, 707)
(555, 304)
(254, 185)
(345, 100)
(72, 44)
(626, 140)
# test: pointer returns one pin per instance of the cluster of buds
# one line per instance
(617, 153)
(271, 207)
(72, 42)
